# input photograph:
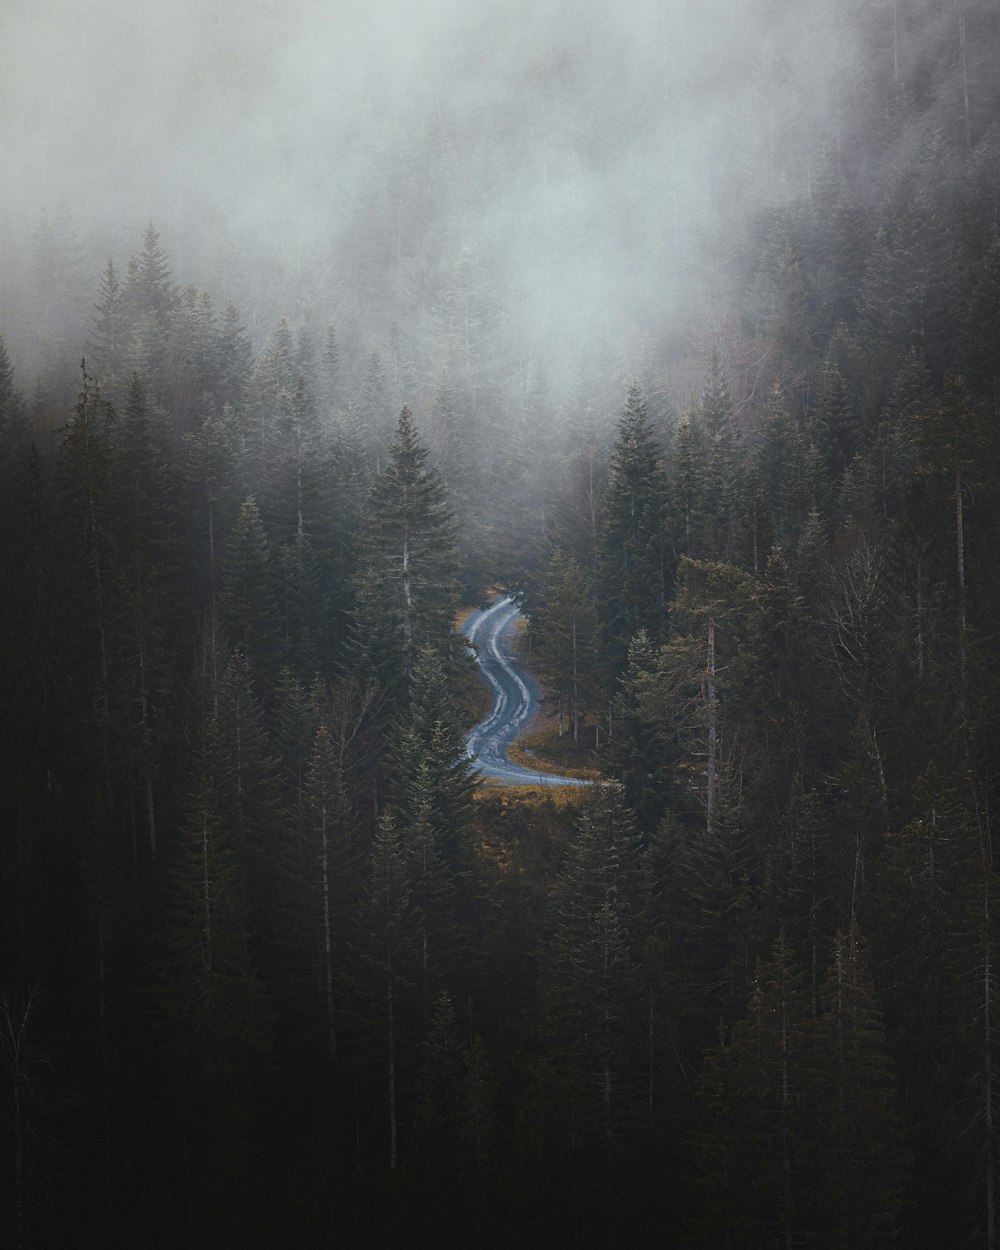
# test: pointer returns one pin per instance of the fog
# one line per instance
(595, 164)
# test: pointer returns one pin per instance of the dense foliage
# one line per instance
(270, 974)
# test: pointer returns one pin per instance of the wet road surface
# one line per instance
(516, 697)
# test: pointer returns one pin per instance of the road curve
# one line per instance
(515, 698)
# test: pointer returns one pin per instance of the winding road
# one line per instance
(516, 698)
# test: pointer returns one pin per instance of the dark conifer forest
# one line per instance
(318, 329)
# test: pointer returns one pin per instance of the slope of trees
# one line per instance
(272, 972)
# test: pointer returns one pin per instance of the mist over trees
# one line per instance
(682, 325)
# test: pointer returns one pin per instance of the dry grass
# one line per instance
(531, 795)
(536, 751)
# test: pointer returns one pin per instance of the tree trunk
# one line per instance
(206, 885)
(147, 746)
(331, 1031)
(712, 729)
(964, 65)
(960, 552)
(576, 705)
(99, 602)
(407, 590)
(390, 1014)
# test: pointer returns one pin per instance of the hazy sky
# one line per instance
(588, 151)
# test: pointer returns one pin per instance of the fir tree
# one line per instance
(387, 962)
(860, 1165)
(752, 1169)
(410, 548)
(567, 631)
(212, 1021)
(431, 764)
(109, 327)
(248, 608)
(320, 872)
(594, 977)
(633, 581)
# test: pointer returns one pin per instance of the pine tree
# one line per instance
(713, 900)
(714, 607)
(784, 471)
(410, 548)
(858, 1157)
(151, 301)
(835, 424)
(752, 1172)
(374, 413)
(13, 414)
(594, 983)
(431, 763)
(687, 495)
(109, 327)
(244, 777)
(212, 1021)
(147, 486)
(235, 357)
(331, 380)
(643, 747)
(954, 439)
(807, 878)
(320, 874)
(269, 401)
(150, 291)
(387, 956)
(60, 299)
(87, 486)
(210, 470)
(247, 608)
(567, 633)
(297, 712)
(633, 579)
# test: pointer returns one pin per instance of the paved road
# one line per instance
(515, 698)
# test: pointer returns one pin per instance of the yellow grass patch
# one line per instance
(535, 751)
(513, 795)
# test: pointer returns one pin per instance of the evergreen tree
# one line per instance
(567, 632)
(859, 1162)
(247, 608)
(319, 892)
(210, 470)
(643, 747)
(374, 413)
(150, 291)
(753, 1169)
(687, 495)
(410, 549)
(594, 982)
(387, 959)
(835, 425)
(806, 877)
(301, 605)
(109, 327)
(244, 778)
(783, 468)
(431, 764)
(150, 300)
(330, 370)
(13, 415)
(212, 1022)
(87, 481)
(954, 440)
(235, 357)
(633, 579)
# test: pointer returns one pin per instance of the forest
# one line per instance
(691, 344)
